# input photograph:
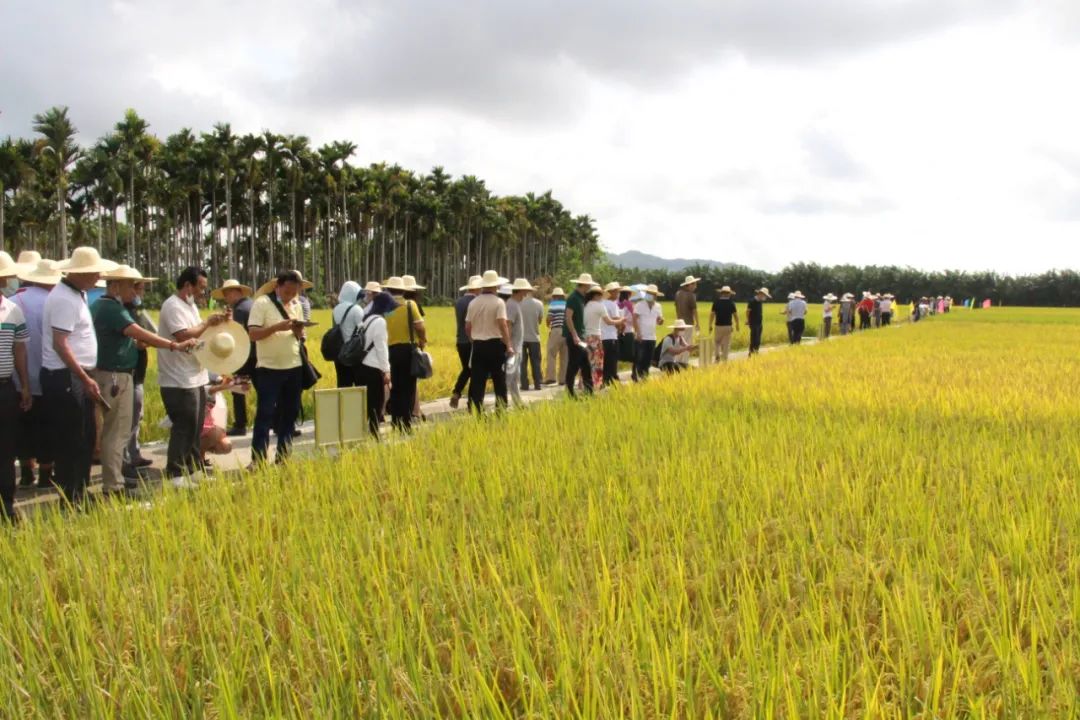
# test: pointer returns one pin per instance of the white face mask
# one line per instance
(10, 286)
(649, 297)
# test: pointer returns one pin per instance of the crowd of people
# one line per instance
(73, 365)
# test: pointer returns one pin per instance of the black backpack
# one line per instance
(333, 341)
(355, 348)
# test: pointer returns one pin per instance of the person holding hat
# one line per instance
(755, 317)
(69, 355)
(238, 298)
(532, 313)
(14, 338)
(133, 457)
(487, 326)
(464, 346)
(674, 347)
(647, 317)
(827, 315)
(796, 314)
(557, 349)
(574, 332)
(721, 319)
(886, 310)
(276, 325)
(347, 315)
(117, 358)
(686, 310)
(404, 329)
(35, 442)
(611, 324)
(181, 379)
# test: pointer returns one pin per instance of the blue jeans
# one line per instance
(278, 405)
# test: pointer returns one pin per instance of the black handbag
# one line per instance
(420, 366)
(309, 373)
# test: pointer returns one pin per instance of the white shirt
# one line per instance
(179, 369)
(796, 309)
(647, 318)
(826, 309)
(378, 354)
(610, 332)
(594, 312)
(886, 306)
(66, 310)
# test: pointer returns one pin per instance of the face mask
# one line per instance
(138, 301)
(11, 287)
(650, 297)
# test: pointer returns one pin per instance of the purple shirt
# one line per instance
(31, 300)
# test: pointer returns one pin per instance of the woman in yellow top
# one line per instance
(399, 340)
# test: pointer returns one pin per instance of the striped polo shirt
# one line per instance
(12, 330)
(557, 313)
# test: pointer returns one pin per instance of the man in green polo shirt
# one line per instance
(574, 332)
(117, 358)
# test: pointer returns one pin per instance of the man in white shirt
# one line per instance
(796, 315)
(647, 316)
(609, 333)
(182, 380)
(532, 314)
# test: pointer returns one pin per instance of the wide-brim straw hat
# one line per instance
(268, 287)
(492, 279)
(798, 295)
(85, 260)
(473, 284)
(394, 283)
(611, 286)
(8, 267)
(410, 284)
(594, 290)
(44, 274)
(373, 287)
(653, 290)
(847, 296)
(126, 272)
(830, 297)
(506, 289)
(763, 291)
(680, 324)
(690, 280)
(223, 348)
(558, 292)
(584, 279)
(29, 259)
(230, 284)
(725, 291)
(522, 284)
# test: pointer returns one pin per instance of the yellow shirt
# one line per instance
(280, 351)
(397, 322)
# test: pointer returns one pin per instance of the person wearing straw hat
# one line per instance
(611, 324)
(574, 332)
(647, 317)
(69, 355)
(133, 457)
(687, 311)
(796, 314)
(674, 347)
(237, 296)
(117, 358)
(866, 309)
(513, 363)
(532, 314)
(827, 315)
(755, 317)
(181, 379)
(35, 442)
(413, 292)
(627, 341)
(464, 346)
(596, 317)
(14, 338)
(487, 327)
(886, 309)
(723, 322)
(371, 290)
(556, 351)
(404, 329)
(847, 313)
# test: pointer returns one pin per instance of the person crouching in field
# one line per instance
(675, 347)
(488, 330)
(755, 316)
(723, 315)
(827, 315)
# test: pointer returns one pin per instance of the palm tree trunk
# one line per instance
(228, 224)
(253, 225)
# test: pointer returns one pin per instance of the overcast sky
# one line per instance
(935, 133)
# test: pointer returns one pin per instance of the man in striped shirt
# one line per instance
(14, 337)
(556, 344)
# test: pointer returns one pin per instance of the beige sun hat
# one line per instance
(29, 259)
(558, 292)
(690, 280)
(8, 267)
(373, 286)
(830, 297)
(473, 284)
(798, 295)
(584, 279)
(394, 283)
(653, 290)
(492, 279)
(223, 348)
(85, 259)
(680, 324)
(594, 289)
(44, 274)
(613, 285)
(506, 289)
(410, 284)
(726, 290)
(268, 287)
(230, 284)
(763, 291)
(522, 284)
(126, 272)
(847, 296)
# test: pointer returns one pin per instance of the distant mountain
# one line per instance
(644, 261)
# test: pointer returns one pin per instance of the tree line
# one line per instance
(247, 205)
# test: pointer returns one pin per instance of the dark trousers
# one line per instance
(643, 360)
(826, 326)
(9, 418)
(791, 332)
(372, 379)
(578, 362)
(611, 362)
(886, 318)
(488, 361)
(186, 408)
(530, 355)
(796, 328)
(34, 437)
(755, 339)
(70, 413)
(277, 407)
(346, 376)
(464, 351)
(402, 386)
(239, 410)
(864, 320)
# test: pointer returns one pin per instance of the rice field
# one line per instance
(883, 526)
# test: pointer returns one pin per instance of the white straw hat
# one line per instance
(847, 296)
(394, 283)
(725, 291)
(473, 284)
(126, 272)
(223, 348)
(583, 279)
(492, 279)
(373, 286)
(506, 289)
(410, 284)
(690, 280)
(44, 274)
(230, 284)
(85, 260)
(593, 290)
(798, 295)
(653, 290)
(613, 285)
(830, 297)
(268, 287)
(8, 267)
(680, 324)
(522, 284)
(763, 291)
(558, 292)
(29, 259)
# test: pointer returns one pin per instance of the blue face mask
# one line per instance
(138, 300)
(11, 285)
(650, 297)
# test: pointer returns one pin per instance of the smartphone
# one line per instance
(105, 404)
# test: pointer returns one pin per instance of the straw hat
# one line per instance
(506, 289)
(725, 291)
(847, 296)
(558, 292)
(268, 287)
(584, 279)
(492, 279)
(763, 291)
(830, 297)
(522, 284)
(44, 274)
(653, 290)
(680, 324)
(798, 295)
(126, 272)
(613, 286)
(394, 283)
(230, 284)
(29, 259)
(85, 260)
(594, 290)
(223, 348)
(410, 284)
(473, 284)
(373, 287)
(690, 280)
(8, 267)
